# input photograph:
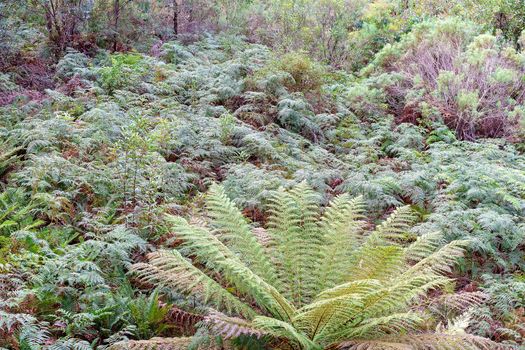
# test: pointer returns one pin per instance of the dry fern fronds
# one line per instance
(181, 343)
(230, 327)
(154, 344)
(187, 321)
(425, 341)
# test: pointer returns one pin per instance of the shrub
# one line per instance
(72, 63)
(121, 71)
(307, 74)
(472, 82)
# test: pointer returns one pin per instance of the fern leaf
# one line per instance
(441, 261)
(281, 329)
(376, 262)
(424, 246)
(236, 233)
(395, 226)
(230, 327)
(425, 341)
(293, 226)
(171, 269)
(182, 343)
(341, 225)
(208, 250)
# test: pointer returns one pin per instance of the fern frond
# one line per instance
(364, 286)
(234, 231)
(424, 246)
(298, 240)
(185, 320)
(380, 302)
(441, 261)
(281, 329)
(460, 302)
(230, 327)
(171, 269)
(182, 343)
(397, 323)
(400, 294)
(262, 236)
(376, 262)
(425, 341)
(208, 250)
(315, 318)
(341, 225)
(395, 227)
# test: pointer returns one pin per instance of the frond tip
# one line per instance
(425, 341)
(182, 343)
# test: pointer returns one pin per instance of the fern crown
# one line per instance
(316, 280)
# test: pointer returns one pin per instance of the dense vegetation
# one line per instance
(262, 174)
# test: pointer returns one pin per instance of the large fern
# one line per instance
(316, 280)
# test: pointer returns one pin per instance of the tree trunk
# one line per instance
(175, 18)
(55, 35)
(116, 15)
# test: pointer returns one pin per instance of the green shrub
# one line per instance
(469, 80)
(307, 74)
(121, 72)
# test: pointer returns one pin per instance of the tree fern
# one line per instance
(318, 281)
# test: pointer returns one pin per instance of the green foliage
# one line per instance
(445, 70)
(316, 279)
(307, 75)
(15, 213)
(90, 167)
(121, 72)
(71, 64)
(148, 314)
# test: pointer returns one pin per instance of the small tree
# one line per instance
(63, 18)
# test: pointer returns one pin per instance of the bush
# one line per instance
(471, 82)
(120, 72)
(72, 63)
(307, 74)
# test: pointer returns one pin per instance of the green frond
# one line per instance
(281, 329)
(395, 227)
(360, 287)
(398, 295)
(342, 226)
(171, 269)
(233, 229)
(315, 318)
(205, 248)
(397, 323)
(424, 246)
(376, 262)
(373, 301)
(441, 261)
(293, 226)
